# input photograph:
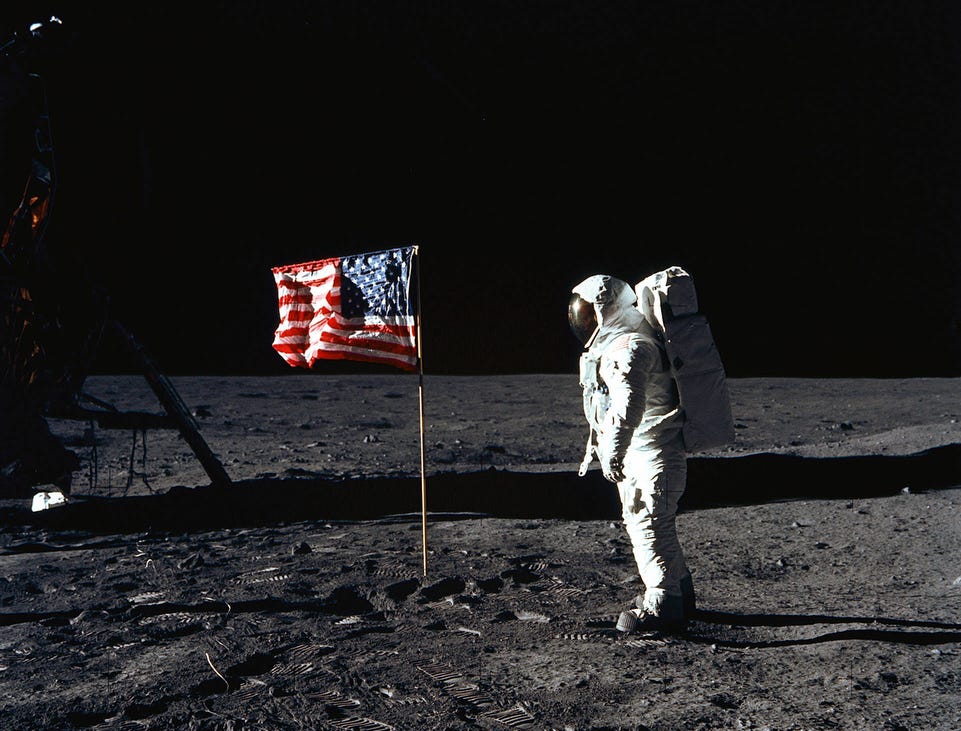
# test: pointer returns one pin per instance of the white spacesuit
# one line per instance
(632, 408)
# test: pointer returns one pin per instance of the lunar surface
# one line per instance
(365, 569)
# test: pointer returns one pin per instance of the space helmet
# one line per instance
(596, 295)
(582, 318)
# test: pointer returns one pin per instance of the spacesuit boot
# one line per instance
(640, 620)
(688, 597)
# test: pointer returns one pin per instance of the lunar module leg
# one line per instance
(175, 408)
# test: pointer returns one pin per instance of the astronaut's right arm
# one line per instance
(594, 404)
(625, 372)
(591, 387)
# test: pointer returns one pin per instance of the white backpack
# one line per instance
(669, 302)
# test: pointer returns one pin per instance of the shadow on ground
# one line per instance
(913, 632)
(712, 482)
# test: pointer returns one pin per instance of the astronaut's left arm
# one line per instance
(625, 373)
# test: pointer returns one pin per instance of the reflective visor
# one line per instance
(581, 317)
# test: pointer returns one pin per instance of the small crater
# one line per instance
(443, 588)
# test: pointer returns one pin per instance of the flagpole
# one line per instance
(420, 396)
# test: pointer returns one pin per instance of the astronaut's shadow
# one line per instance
(916, 632)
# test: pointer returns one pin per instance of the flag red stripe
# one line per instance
(338, 355)
(307, 266)
(361, 343)
(337, 324)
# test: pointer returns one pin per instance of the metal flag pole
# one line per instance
(420, 396)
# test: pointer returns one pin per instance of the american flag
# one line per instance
(349, 308)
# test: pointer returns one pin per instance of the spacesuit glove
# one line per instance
(612, 448)
(612, 466)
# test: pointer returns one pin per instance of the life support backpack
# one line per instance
(669, 302)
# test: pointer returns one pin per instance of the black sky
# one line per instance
(801, 159)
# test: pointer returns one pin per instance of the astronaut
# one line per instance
(632, 408)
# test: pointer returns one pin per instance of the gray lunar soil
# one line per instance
(824, 544)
